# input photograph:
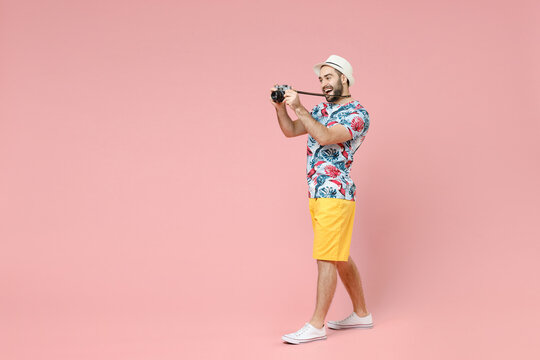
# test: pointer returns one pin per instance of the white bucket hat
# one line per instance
(338, 63)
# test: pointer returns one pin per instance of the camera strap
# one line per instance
(317, 94)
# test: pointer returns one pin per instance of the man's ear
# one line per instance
(343, 79)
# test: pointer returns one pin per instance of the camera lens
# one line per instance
(277, 96)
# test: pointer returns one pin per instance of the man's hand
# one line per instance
(292, 99)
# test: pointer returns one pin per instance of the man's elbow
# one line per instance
(290, 133)
(324, 141)
(325, 138)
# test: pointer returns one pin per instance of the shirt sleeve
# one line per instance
(357, 122)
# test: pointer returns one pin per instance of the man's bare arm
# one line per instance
(289, 127)
(324, 136)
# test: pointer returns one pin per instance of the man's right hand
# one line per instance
(289, 127)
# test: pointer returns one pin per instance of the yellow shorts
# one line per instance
(332, 227)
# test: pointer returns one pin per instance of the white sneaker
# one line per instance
(352, 321)
(306, 334)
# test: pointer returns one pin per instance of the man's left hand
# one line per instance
(292, 99)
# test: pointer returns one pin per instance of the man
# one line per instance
(335, 128)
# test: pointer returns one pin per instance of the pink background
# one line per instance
(151, 208)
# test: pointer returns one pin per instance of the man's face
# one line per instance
(330, 83)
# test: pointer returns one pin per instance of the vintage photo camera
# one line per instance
(279, 94)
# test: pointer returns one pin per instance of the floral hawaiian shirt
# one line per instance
(328, 166)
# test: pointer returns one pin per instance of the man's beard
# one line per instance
(337, 91)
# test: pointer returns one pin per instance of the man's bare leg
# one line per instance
(351, 279)
(326, 286)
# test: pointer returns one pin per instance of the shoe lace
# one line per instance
(348, 318)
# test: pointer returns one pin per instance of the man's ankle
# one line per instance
(317, 324)
(362, 313)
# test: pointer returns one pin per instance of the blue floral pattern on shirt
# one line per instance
(328, 166)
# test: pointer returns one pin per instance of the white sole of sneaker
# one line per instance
(341, 327)
(296, 342)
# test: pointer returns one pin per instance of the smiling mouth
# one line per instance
(327, 91)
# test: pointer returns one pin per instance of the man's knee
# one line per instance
(331, 263)
(342, 265)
